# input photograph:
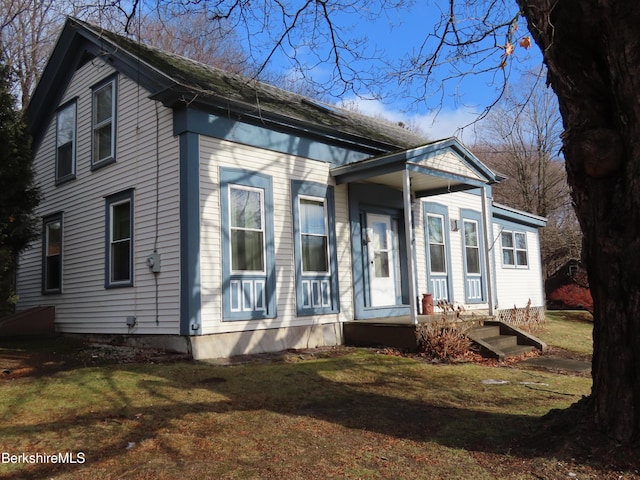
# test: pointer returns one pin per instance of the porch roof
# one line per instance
(437, 167)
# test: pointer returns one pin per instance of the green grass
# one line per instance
(569, 330)
(346, 414)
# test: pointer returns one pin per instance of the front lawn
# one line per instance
(331, 413)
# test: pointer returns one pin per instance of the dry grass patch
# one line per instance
(354, 414)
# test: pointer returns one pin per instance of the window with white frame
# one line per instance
(246, 214)
(514, 249)
(119, 261)
(52, 255)
(103, 124)
(437, 252)
(314, 240)
(66, 143)
(472, 246)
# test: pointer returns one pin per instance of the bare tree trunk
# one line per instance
(592, 52)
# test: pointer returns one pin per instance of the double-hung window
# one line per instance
(514, 249)
(119, 244)
(472, 246)
(246, 214)
(52, 254)
(66, 143)
(437, 251)
(314, 239)
(103, 124)
(313, 208)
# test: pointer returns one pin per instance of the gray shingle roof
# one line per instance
(196, 82)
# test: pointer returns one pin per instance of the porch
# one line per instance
(492, 338)
(395, 332)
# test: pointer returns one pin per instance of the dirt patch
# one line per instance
(34, 357)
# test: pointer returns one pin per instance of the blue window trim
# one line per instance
(65, 178)
(240, 287)
(56, 217)
(95, 165)
(442, 210)
(476, 217)
(126, 195)
(331, 301)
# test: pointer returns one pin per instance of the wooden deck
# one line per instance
(395, 332)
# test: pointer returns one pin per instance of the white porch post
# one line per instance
(486, 219)
(410, 243)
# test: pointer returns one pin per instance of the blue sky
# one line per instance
(393, 34)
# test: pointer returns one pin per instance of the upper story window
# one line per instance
(66, 143)
(514, 249)
(103, 124)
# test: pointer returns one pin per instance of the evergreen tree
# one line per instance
(18, 195)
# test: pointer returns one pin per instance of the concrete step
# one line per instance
(517, 350)
(486, 331)
(502, 342)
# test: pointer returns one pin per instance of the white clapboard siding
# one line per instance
(85, 306)
(516, 286)
(282, 168)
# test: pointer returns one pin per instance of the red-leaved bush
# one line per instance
(573, 296)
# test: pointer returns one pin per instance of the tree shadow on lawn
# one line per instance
(309, 390)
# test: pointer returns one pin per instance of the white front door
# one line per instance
(383, 259)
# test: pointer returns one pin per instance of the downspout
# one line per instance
(409, 240)
(487, 247)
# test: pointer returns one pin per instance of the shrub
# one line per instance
(573, 296)
(443, 339)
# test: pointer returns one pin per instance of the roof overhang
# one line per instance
(518, 216)
(438, 167)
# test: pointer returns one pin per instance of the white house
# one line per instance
(200, 210)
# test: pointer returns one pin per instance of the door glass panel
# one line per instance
(382, 264)
(379, 236)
